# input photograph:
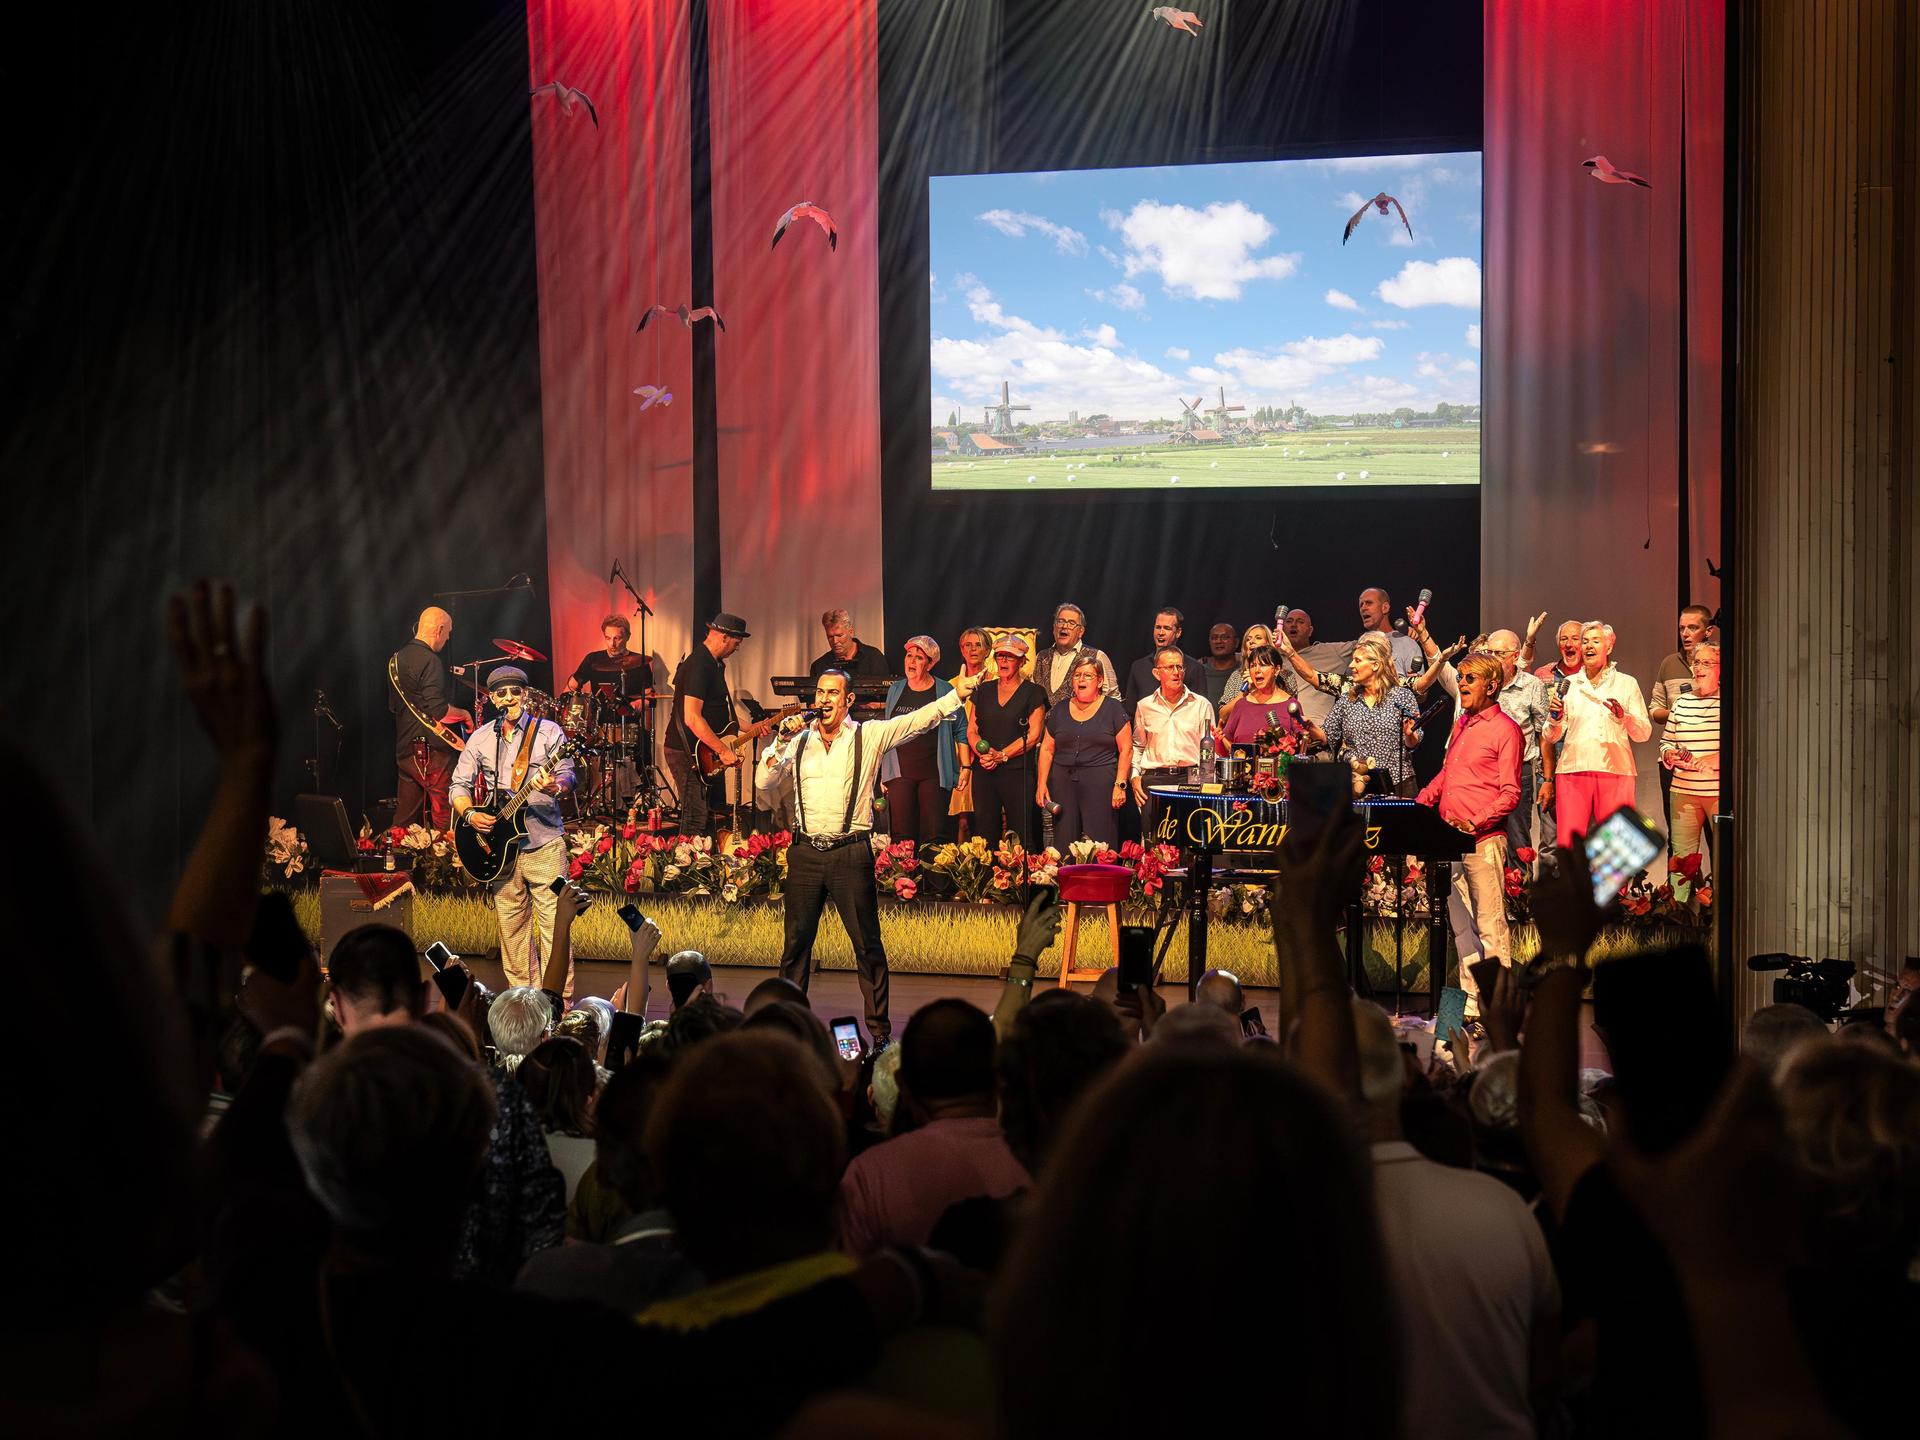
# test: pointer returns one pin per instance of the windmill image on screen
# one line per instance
(1265, 324)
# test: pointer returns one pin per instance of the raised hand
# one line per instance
(1040, 924)
(223, 671)
(1563, 907)
(1533, 625)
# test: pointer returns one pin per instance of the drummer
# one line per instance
(615, 671)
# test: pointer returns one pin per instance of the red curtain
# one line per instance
(611, 210)
(795, 113)
(1582, 332)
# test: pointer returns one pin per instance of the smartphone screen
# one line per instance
(630, 913)
(1452, 1013)
(439, 956)
(1315, 790)
(1136, 957)
(1619, 848)
(1250, 1022)
(846, 1038)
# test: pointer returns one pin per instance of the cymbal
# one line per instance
(602, 663)
(517, 650)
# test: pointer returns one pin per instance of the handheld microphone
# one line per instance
(1280, 613)
(1420, 608)
(1561, 686)
(1245, 686)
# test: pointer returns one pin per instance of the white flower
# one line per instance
(672, 872)
(730, 892)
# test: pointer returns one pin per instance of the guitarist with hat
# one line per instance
(702, 711)
(503, 753)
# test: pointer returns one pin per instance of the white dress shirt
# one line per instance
(1590, 739)
(1167, 735)
(826, 771)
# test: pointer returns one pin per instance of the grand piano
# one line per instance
(1230, 836)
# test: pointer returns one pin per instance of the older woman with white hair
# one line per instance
(1377, 719)
(519, 1019)
(919, 776)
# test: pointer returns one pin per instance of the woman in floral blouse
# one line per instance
(1377, 717)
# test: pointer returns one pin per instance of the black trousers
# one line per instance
(426, 770)
(696, 794)
(1003, 802)
(1085, 796)
(845, 876)
(916, 810)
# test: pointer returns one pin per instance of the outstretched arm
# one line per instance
(1305, 903)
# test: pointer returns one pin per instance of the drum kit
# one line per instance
(611, 718)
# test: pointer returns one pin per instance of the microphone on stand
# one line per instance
(321, 707)
(614, 573)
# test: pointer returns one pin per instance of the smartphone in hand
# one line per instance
(630, 913)
(1136, 958)
(1619, 848)
(846, 1038)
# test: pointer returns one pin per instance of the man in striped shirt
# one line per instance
(1690, 750)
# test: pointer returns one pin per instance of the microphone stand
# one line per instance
(646, 773)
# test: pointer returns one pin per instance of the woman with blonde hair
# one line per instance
(1376, 718)
(1255, 637)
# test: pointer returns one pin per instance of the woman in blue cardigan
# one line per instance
(919, 776)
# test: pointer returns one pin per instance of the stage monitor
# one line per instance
(1206, 326)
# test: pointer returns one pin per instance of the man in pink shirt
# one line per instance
(1596, 724)
(895, 1193)
(1475, 791)
(1567, 639)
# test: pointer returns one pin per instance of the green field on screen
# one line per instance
(1448, 455)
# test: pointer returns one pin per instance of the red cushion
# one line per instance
(1094, 884)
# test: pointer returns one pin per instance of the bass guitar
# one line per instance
(708, 758)
(486, 855)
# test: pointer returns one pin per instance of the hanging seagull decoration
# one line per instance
(652, 395)
(1379, 202)
(1603, 170)
(807, 210)
(681, 313)
(570, 99)
(1179, 19)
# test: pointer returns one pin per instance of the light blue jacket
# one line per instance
(950, 733)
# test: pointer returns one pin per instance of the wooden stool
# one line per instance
(1090, 885)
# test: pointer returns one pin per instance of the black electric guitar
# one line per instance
(486, 855)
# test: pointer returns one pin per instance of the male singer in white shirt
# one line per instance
(827, 771)
(1170, 724)
(1596, 725)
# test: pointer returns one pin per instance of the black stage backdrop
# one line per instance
(1060, 84)
(272, 308)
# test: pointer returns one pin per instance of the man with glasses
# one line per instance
(1053, 668)
(1170, 724)
(502, 754)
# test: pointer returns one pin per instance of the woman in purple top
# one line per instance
(1266, 706)
(1084, 759)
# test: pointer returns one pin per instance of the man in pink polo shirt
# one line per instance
(1596, 724)
(1475, 791)
(896, 1192)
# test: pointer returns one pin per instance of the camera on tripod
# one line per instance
(1822, 986)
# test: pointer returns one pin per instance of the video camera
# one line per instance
(1822, 986)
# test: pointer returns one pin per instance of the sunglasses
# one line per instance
(509, 692)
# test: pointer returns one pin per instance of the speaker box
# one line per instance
(345, 906)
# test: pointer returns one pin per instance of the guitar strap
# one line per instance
(526, 752)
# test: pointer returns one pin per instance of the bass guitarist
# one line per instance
(501, 754)
(702, 714)
(423, 710)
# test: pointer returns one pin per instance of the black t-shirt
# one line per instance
(867, 660)
(702, 678)
(423, 678)
(595, 670)
(1000, 725)
(918, 758)
(1093, 741)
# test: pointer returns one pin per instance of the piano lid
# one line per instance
(1215, 819)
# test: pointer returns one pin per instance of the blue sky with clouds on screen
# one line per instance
(1118, 290)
